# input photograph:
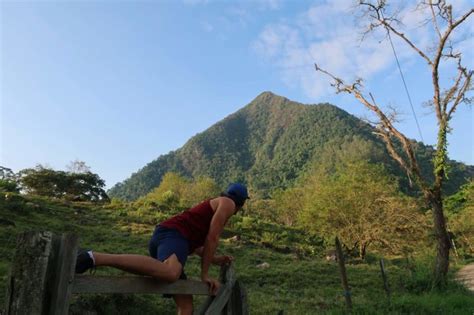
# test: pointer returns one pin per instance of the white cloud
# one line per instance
(327, 34)
(277, 41)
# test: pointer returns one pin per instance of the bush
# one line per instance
(421, 273)
(269, 238)
(8, 186)
(13, 202)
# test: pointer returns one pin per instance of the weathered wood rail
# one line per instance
(42, 280)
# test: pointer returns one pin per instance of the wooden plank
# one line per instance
(136, 284)
(229, 274)
(243, 299)
(237, 304)
(342, 269)
(204, 306)
(28, 281)
(222, 296)
(64, 274)
(220, 300)
(229, 308)
(234, 306)
(238, 300)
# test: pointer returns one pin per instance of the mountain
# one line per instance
(267, 144)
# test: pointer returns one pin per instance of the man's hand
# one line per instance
(222, 260)
(213, 284)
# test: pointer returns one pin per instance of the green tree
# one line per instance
(176, 191)
(45, 181)
(173, 182)
(170, 192)
(85, 187)
(335, 152)
(6, 173)
(288, 205)
(200, 189)
(8, 180)
(451, 82)
(262, 209)
(361, 204)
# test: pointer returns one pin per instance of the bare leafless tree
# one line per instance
(444, 101)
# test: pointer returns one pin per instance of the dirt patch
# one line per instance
(466, 276)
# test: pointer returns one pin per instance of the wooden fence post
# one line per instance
(204, 306)
(222, 297)
(41, 274)
(243, 299)
(384, 278)
(342, 269)
(230, 299)
(237, 304)
(64, 274)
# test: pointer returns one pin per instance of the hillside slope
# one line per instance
(297, 281)
(267, 144)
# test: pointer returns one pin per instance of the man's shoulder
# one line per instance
(223, 202)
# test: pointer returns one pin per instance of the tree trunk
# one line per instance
(362, 250)
(443, 244)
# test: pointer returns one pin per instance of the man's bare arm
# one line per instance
(217, 259)
(224, 211)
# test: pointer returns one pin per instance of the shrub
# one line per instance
(13, 202)
(8, 186)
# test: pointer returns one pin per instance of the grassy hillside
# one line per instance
(298, 281)
(268, 144)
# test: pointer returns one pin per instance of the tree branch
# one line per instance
(391, 150)
(439, 53)
(452, 91)
(461, 19)
(386, 126)
(385, 22)
(460, 96)
(434, 19)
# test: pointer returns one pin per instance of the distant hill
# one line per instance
(267, 144)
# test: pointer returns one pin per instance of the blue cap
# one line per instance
(238, 190)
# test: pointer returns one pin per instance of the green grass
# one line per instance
(299, 280)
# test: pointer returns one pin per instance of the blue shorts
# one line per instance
(166, 242)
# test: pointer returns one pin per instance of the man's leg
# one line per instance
(184, 304)
(169, 270)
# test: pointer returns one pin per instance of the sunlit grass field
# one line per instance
(298, 281)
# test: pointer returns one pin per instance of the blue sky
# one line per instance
(117, 84)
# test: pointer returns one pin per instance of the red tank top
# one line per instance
(193, 224)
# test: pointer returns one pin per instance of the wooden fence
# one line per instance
(42, 280)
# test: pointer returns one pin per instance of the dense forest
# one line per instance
(270, 144)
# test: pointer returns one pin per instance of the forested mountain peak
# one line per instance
(269, 98)
(268, 144)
